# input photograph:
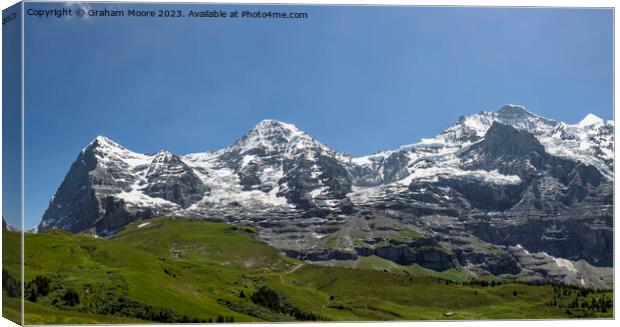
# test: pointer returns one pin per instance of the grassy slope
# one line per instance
(190, 266)
(11, 257)
(39, 314)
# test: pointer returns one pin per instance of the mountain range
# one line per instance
(507, 193)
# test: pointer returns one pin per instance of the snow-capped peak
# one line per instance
(590, 119)
(270, 128)
(108, 152)
(163, 153)
(513, 109)
(271, 124)
(473, 127)
(102, 142)
(162, 157)
(272, 136)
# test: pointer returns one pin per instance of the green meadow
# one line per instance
(182, 270)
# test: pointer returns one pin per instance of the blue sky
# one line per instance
(11, 115)
(360, 79)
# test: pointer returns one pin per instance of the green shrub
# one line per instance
(10, 285)
(71, 298)
(276, 302)
(38, 287)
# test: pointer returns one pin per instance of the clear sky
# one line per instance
(360, 79)
(11, 116)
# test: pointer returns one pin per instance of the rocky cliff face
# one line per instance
(464, 199)
(169, 178)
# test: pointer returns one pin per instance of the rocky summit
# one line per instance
(506, 193)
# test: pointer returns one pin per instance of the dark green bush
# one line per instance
(71, 298)
(38, 287)
(276, 302)
(10, 285)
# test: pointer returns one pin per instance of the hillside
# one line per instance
(183, 270)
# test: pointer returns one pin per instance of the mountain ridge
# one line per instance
(314, 202)
(502, 115)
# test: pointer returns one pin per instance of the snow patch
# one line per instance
(522, 248)
(590, 119)
(318, 191)
(139, 199)
(563, 263)
(432, 174)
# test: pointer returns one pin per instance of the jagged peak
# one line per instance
(590, 119)
(271, 135)
(163, 156)
(102, 142)
(269, 126)
(107, 150)
(515, 115)
(472, 127)
(104, 139)
(274, 122)
(163, 152)
(514, 109)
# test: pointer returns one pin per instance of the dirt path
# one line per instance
(290, 272)
(294, 269)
